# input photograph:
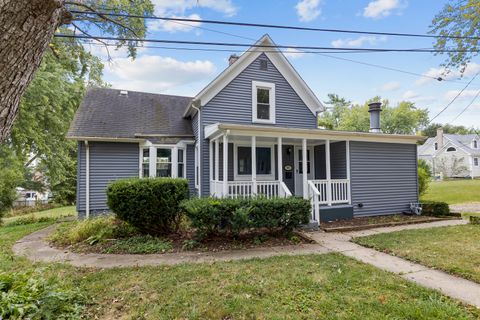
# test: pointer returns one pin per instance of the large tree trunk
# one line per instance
(26, 29)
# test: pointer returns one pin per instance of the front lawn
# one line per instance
(314, 286)
(452, 249)
(454, 191)
(55, 213)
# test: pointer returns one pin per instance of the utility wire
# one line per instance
(273, 26)
(466, 107)
(226, 44)
(453, 100)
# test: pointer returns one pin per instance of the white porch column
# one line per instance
(217, 157)
(174, 162)
(225, 165)
(279, 159)
(152, 167)
(254, 165)
(210, 166)
(304, 168)
(347, 145)
(327, 169)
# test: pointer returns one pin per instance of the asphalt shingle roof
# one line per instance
(105, 113)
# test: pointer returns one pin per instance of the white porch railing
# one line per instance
(244, 189)
(335, 191)
(314, 195)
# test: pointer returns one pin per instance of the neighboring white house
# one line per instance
(29, 198)
(452, 155)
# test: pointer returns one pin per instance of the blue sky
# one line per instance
(187, 72)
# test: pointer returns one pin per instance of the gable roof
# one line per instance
(279, 61)
(105, 113)
(462, 141)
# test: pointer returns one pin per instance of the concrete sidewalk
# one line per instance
(452, 286)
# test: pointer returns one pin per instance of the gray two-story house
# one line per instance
(252, 131)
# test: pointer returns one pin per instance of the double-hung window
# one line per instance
(264, 161)
(263, 102)
(475, 162)
(145, 162)
(181, 163)
(475, 144)
(164, 162)
(159, 161)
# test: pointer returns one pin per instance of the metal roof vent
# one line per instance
(124, 93)
(374, 109)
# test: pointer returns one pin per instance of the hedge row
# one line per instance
(151, 205)
(435, 208)
(212, 215)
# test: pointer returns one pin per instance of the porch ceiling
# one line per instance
(215, 130)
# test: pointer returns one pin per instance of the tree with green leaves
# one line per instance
(28, 26)
(404, 118)
(459, 24)
(431, 129)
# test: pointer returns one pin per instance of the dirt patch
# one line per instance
(362, 223)
(188, 242)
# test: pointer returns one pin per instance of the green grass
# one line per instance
(454, 191)
(452, 249)
(329, 286)
(69, 211)
(140, 244)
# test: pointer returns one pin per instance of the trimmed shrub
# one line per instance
(435, 208)
(210, 215)
(423, 181)
(151, 205)
(475, 220)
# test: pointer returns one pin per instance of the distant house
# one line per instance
(252, 131)
(452, 155)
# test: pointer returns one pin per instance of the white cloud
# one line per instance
(470, 70)
(180, 6)
(175, 26)
(381, 8)
(413, 96)
(409, 95)
(293, 53)
(308, 10)
(358, 42)
(466, 94)
(390, 86)
(153, 73)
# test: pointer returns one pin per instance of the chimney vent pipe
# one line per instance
(374, 109)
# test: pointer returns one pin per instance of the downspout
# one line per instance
(200, 142)
(87, 179)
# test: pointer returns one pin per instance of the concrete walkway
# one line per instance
(35, 248)
(452, 286)
(466, 207)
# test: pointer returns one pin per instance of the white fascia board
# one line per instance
(278, 60)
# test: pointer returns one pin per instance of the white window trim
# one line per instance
(152, 170)
(263, 85)
(260, 177)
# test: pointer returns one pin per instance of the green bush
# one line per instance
(31, 296)
(474, 220)
(423, 181)
(92, 231)
(29, 220)
(435, 208)
(26, 210)
(151, 205)
(210, 215)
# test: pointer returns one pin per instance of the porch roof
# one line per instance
(215, 130)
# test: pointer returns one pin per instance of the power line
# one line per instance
(453, 100)
(273, 26)
(467, 106)
(226, 44)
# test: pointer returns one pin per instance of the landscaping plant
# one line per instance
(435, 208)
(151, 205)
(211, 215)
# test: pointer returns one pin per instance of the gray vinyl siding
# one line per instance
(109, 161)
(80, 177)
(234, 105)
(191, 168)
(383, 177)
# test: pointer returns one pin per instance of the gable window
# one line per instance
(436, 146)
(451, 149)
(263, 64)
(475, 162)
(475, 144)
(159, 161)
(263, 102)
(264, 163)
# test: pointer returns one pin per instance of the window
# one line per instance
(146, 162)
(451, 149)
(436, 146)
(475, 162)
(263, 64)
(300, 162)
(181, 164)
(475, 144)
(263, 102)
(164, 162)
(263, 163)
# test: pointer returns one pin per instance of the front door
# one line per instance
(299, 166)
(288, 158)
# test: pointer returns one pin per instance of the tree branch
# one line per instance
(101, 41)
(31, 160)
(102, 16)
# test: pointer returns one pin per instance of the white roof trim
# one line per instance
(271, 131)
(278, 60)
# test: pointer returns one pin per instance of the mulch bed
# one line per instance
(256, 239)
(362, 223)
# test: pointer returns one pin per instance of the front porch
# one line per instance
(245, 165)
